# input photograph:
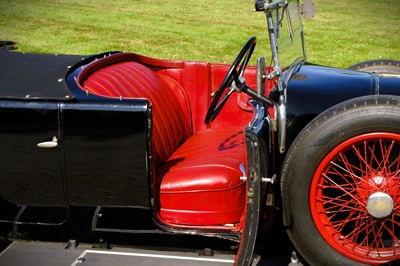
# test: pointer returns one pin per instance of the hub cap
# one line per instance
(380, 205)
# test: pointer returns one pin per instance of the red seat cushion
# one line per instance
(200, 183)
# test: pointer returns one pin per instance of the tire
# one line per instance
(380, 66)
(334, 167)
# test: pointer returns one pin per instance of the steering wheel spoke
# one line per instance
(224, 99)
(233, 76)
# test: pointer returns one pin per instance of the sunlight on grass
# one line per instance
(346, 32)
(203, 30)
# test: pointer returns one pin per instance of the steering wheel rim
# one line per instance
(232, 80)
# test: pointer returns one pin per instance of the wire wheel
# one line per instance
(355, 196)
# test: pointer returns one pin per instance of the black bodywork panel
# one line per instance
(105, 154)
(35, 76)
(100, 159)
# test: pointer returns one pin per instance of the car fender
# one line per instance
(313, 89)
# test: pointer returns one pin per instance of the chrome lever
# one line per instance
(243, 170)
(49, 144)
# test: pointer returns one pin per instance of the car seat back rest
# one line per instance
(133, 80)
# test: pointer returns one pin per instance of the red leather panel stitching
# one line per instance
(133, 80)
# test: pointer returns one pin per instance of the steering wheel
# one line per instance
(233, 79)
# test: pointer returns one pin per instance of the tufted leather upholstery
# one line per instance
(133, 80)
(197, 176)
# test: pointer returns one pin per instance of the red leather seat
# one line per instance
(200, 183)
(197, 176)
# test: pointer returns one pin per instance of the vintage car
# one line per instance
(108, 146)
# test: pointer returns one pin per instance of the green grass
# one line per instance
(342, 33)
(345, 32)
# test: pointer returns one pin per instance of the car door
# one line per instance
(31, 174)
(106, 153)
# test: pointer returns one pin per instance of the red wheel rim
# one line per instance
(342, 186)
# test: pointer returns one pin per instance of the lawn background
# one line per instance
(342, 33)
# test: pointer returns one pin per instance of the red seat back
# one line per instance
(133, 80)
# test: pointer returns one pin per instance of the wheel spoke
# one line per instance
(342, 189)
(338, 206)
(347, 169)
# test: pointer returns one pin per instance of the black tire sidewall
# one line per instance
(380, 66)
(328, 130)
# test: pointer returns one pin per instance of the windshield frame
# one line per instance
(276, 13)
(273, 8)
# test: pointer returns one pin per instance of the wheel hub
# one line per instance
(380, 205)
